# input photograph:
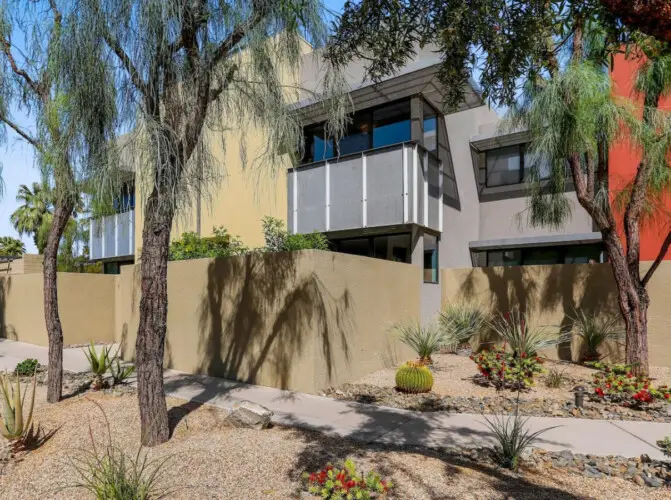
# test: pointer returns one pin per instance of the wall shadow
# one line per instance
(262, 313)
(556, 290)
(6, 331)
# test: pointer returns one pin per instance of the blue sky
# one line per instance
(18, 166)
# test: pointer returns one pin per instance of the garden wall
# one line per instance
(550, 294)
(86, 306)
(300, 321)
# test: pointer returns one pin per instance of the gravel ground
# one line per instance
(453, 375)
(208, 460)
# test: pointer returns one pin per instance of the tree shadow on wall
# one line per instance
(535, 290)
(260, 314)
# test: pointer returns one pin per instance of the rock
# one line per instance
(249, 415)
(638, 479)
(566, 455)
(630, 472)
(560, 463)
(591, 472)
(653, 481)
(526, 454)
(605, 469)
(646, 459)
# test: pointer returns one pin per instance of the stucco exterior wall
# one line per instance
(499, 219)
(550, 294)
(301, 321)
(85, 301)
(462, 226)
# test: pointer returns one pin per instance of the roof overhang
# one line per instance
(536, 241)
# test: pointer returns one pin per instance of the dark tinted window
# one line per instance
(391, 124)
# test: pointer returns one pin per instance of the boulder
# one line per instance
(249, 415)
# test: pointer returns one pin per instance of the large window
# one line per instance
(430, 128)
(512, 165)
(535, 256)
(370, 128)
(125, 200)
(395, 247)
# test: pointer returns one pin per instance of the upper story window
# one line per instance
(371, 128)
(125, 200)
(512, 165)
(430, 128)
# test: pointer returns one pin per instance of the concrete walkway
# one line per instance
(370, 423)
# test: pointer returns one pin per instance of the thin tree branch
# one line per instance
(7, 49)
(30, 139)
(658, 260)
(216, 91)
(238, 33)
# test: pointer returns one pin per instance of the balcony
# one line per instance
(112, 236)
(388, 186)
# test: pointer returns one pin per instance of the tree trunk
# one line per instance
(52, 319)
(153, 319)
(633, 301)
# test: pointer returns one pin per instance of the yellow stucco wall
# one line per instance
(86, 304)
(550, 295)
(301, 321)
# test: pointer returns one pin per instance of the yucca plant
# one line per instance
(424, 340)
(99, 362)
(525, 340)
(12, 425)
(512, 437)
(594, 331)
(460, 323)
(119, 372)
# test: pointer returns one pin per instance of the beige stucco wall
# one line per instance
(550, 294)
(301, 321)
(85, 302)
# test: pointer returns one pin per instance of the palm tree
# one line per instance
(11, 246)
(29, 217)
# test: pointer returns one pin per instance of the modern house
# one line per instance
(407, 182)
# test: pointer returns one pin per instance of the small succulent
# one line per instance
(12, 424)
(119, 372)
(414, 377)
(99, 362)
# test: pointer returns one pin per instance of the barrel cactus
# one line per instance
(414, 377)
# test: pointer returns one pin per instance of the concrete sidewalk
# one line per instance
(370, 423)
(12, 352)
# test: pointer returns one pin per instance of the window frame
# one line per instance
(522, 148)
(562, 253)
(437, 253)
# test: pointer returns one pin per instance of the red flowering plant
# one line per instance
(617, 384)
(346, 483)
(507, 370)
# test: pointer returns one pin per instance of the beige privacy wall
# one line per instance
(301, 320)
(85, 302)
(550, 294)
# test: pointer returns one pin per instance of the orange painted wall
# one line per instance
(624, 158)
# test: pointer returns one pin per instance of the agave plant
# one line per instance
(424, 340)
(12, 425)
(524, 339)
(460, 323)
(594, 331)
(99, 362)
(119, 372)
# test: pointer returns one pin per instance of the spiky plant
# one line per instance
(523, 339)
(425, 340)
(119, 372)
(594, 331)
(99, 362)
(460, 323)
(12, 425)
(512, 436)
(414, 377)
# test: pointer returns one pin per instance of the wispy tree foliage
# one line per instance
(180, 74)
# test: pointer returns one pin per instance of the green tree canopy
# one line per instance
(11, 247)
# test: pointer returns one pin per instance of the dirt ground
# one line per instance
(206, 459)
(453, 375)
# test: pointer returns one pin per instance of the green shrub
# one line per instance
(346, 483)
(665, 445)
(524, 339)
(13, 427)
(26, 368)
(278, 240)
(192, 246)
(414, 377)
(507, 370)
(99, 362)
(594, 331)
(554, 378)
(120, 373)
(424, 340)
(512, 437)
(627, 389)
(460, 323)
